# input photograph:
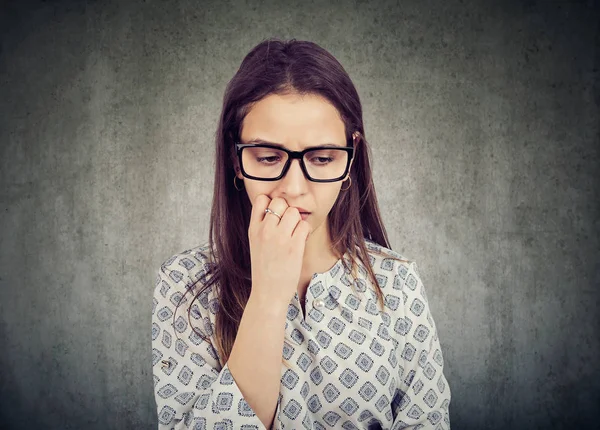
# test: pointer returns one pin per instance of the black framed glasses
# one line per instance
(264, 162)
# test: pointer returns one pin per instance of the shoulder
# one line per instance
(384, 260)
(183, 271)
(189, 260)
(397, 275)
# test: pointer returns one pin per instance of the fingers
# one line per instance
(288, 222)
(302, 231)
(279, 206)
(290, 217)
(261, 202)
(292, 224)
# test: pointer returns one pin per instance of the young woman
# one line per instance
(299, 314)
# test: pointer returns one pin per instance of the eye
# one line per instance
(322, 160)
(270, 159)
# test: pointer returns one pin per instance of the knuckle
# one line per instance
(292, 211)
(283, 201)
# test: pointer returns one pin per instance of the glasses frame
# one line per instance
(291, 156)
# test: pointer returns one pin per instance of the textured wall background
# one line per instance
(484, 123)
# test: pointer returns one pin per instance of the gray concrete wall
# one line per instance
(484, 122)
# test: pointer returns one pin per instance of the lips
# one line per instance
(302, 211)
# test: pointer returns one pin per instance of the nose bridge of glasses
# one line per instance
(295, 155)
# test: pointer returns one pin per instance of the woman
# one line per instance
(301, 314)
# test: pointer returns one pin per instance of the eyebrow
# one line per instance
(264, 142)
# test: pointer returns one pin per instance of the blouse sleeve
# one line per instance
(190, 388)
(424, 394)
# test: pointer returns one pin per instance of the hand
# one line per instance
(276, 249)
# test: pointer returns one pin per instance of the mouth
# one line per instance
(303, 211)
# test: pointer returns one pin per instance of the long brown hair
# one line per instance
(282, 67)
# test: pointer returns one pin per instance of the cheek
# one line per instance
(328, 198)
(254, 189)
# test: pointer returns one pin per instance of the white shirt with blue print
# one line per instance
(354, 367)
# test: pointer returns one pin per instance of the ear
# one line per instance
(355, 139)
(238, 172)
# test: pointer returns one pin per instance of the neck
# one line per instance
(318, 254)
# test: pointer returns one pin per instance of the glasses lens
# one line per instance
(326, 163)
(268, 163)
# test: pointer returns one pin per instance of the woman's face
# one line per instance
(296, 122)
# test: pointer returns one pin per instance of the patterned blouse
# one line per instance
(354, 367)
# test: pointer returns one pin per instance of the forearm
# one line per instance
(255, 360)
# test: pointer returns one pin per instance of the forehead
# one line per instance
(294, 120)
